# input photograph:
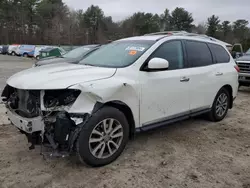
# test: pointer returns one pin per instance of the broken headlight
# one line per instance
(54, 98)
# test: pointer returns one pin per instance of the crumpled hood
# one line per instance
(58, 76)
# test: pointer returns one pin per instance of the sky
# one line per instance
(201, 9)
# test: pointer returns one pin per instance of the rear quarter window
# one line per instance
(220, 54)
(198, 54)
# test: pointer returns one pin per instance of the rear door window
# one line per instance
(198, 54)
(220, 54)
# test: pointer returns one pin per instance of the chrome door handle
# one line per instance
(184, 79)
(218, 74)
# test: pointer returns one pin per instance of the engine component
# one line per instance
(63, 128)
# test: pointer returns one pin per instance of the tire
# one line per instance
(214, 115)
(25, 55)
(37, 57)
(85, 149)
(13, 53)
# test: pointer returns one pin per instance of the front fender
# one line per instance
(104, 91)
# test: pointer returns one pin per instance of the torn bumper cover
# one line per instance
(44, 118)
(29, 125)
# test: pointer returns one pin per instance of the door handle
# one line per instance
(184, 79)
(218, 74)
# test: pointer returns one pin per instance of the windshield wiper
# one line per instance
(89, 64)
(59, 56)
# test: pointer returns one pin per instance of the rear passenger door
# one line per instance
(203, 82)
(225, 71)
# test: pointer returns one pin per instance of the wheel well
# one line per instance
(230, 90)
(127, 112)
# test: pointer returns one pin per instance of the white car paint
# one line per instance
(13, 48)
(150, 95)
(68, 74)
(38, 49)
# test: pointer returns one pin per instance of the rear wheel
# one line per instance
(220, 105)
(25, 55)
(37, 57)
(13, 53)
(103, 137)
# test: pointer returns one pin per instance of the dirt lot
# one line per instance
(193, 153)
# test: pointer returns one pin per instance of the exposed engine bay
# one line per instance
(43, 117)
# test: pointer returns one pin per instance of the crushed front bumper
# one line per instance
(28, 125)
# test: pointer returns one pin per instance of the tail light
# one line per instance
(237, 68)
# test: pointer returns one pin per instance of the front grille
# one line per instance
(26, 103)
(244, 67)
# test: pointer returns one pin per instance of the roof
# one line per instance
(178, 34)
(222, 42)
(47, 49)
(148, 37)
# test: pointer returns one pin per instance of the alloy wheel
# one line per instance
(221, 104)
(106, 138)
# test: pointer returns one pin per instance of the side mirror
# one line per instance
(158, 64)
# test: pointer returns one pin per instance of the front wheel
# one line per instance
(103, 137)
(220, 105)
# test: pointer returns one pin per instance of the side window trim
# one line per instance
(213, 55)
(143, 66)
(189, 64)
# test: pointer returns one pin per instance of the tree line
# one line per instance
(53, 22)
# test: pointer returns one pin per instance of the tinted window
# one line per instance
(77, 52)
(172, 52)
(219, 53)
(198, 54)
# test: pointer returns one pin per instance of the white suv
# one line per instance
(130, 85)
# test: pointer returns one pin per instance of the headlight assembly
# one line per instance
(54, 98)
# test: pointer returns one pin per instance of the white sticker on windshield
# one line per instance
(141, 49)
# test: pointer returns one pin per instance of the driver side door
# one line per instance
(165, 93)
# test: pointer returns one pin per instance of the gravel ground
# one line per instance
(194, 153)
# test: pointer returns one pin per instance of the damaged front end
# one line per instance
(44, 117)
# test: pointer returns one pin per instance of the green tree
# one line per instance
(241, 32)
(141, 23)
(181, 19)
(226, 28)
(212, 25)
(93, 20)
(240, 28)
(165, 21)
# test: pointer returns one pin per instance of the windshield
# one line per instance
(117, 54)
(78, 52)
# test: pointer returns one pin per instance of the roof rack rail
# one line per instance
(165, 33)
(182, 33)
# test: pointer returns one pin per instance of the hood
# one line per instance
(58, 76)
(244, 58)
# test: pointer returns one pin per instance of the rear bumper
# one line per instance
(28, 125)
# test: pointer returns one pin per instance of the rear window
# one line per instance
(198, 54)
(220, 54)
